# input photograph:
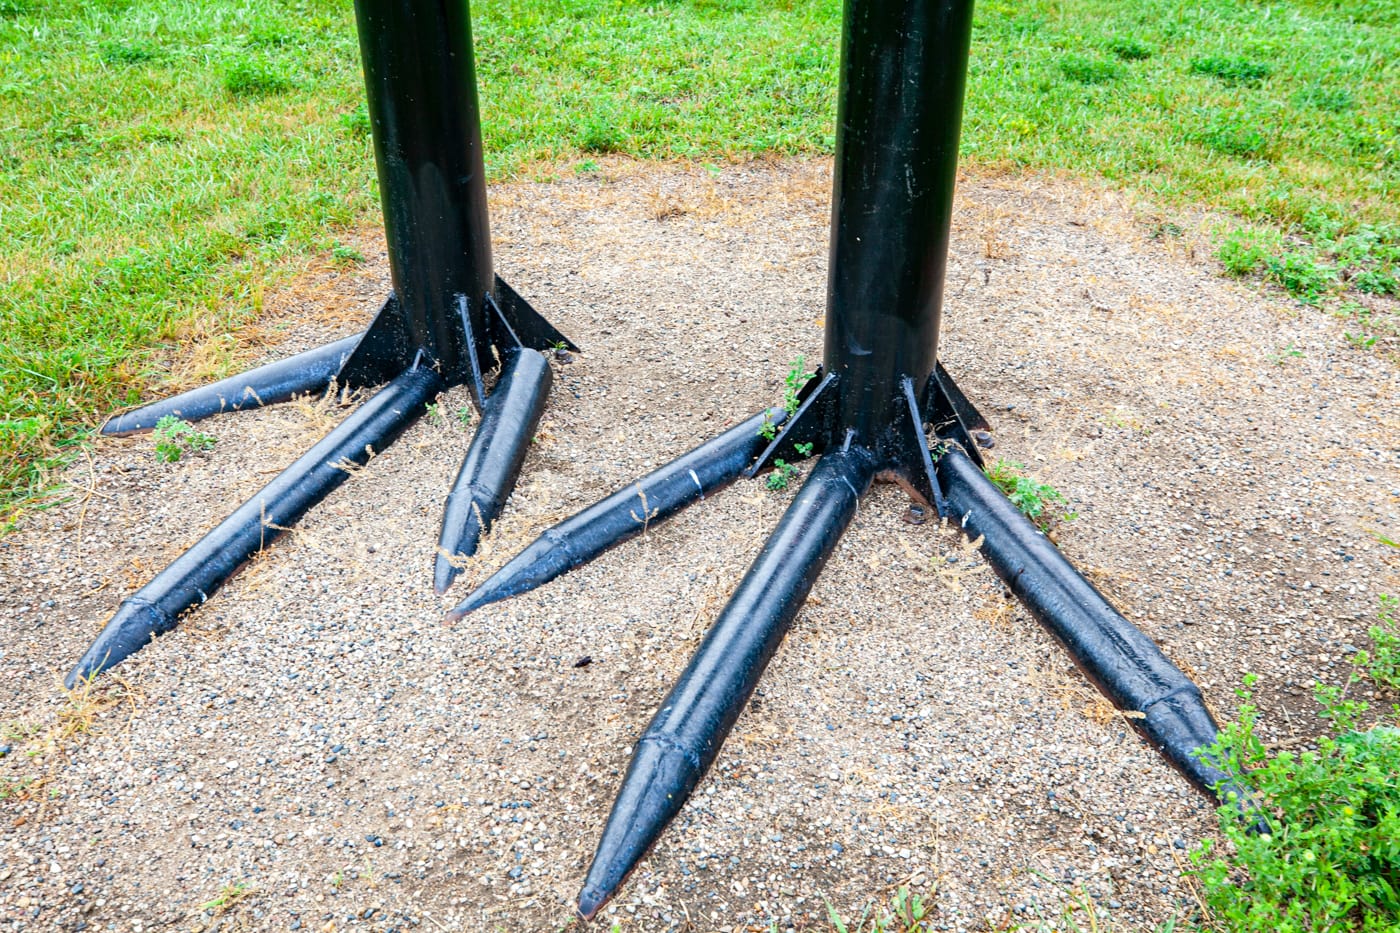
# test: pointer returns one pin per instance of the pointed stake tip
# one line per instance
(591, 900)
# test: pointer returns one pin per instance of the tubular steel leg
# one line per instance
(447, 320)
(685, 736)
(626, 513)
(194, 576)
(491, 466)
(312, 371)
(903, 64)
(1123, 663)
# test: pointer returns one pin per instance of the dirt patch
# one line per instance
(314, 750)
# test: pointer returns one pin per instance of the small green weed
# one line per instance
(1028, 495)
(175, 438)
(255, 77)
(343, 255)
(1244, 251)
(906, 912)
(1231, 70)
(434, 412)
(356, 122)
(464, 415)
(1289, 352)
(1302, 275)
(1087, 70)
(803, 450)
(783, 473)
(796, 378)
(1330, 860)
(586, 167)
(232, 893)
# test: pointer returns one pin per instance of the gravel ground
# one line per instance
(315, 750)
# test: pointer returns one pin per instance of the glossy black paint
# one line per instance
(420, 77)
(312, 371)
(489, 470)
(685, 735)
(625, 514)
(903, 67)
(447, 320)
(1123, 662)
(195, 575)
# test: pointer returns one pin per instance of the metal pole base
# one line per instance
(380, 355)
(930, 453)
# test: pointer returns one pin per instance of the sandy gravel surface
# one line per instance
(317, 736)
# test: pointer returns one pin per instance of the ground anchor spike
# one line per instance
(685, 735)
(156, 607)
(312, 371)
(1127, 666)
(489, 470)
(626, 513)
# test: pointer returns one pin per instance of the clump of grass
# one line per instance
(1086, 70)
(1245, 250)
(356, 122)
(255, 77)
(175, 438)
(1329, 99)
(126, 53)
(1329, 862)
(1033, 498)
(1231, 134)
(1231, 70)
(602, 133)
(1130, 49)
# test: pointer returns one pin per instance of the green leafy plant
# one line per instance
(783, 473)
(343, 255)
(796, 378)
(255, 77)
(1231, 70)
(1331, 858)
(1031, 497)
(1302, 275)
(1085, 70)
(174, 438)
(803, 450)
(1130, 49)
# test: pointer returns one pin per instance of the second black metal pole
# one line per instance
(903, 67)
(420, 77)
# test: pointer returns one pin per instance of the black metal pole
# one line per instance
(685, 735)
(899, 110)
(420, 78)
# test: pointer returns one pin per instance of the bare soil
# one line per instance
(314, 749)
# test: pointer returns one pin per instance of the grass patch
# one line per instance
(163, 163)
(1332, 859)
(253, 77)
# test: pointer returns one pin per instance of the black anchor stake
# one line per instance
(881, 408)
(448, 320)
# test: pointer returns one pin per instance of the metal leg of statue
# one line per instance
(447, 321)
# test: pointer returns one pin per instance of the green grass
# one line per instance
(162, 163)
(1331, 860)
